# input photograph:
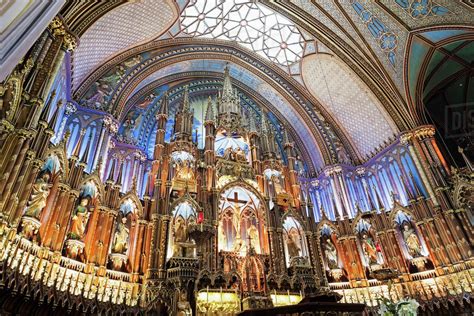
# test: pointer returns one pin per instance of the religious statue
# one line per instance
(277, 184)
(180, 231)
(370, 248)
(236, 222)
(240, 155)
(79, 220)
(184, 308)
(342, 156)
(411, 240)
(184, 171)
(120, 244)
(37, 201)
(293, 248)
(252, 232)
(330, 253)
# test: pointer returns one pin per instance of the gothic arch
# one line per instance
(185, 199)
(94, 178)
(134, 198)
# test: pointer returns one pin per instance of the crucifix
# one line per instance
(236, 199)
(236, 216)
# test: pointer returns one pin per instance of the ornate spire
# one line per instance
(85, 156)
(77, 148)
(323, 212)
(229, 99)
(379, 199)
(186, 99)
(47, 108)
(469, 164)
(119, 178)
(286, 139)
(415, 185)
(210, 116)
(407, 188)
(263, 124)
(252, 123)
(227, 90)
(55, 117)
(164, 104)
(112, 172)
(371, 202)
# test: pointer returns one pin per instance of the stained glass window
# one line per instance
(248, 23)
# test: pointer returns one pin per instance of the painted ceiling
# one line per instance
(344, 60)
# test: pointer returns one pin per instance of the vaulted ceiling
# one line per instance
(339, 73)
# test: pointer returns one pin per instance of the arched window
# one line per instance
(241, 222)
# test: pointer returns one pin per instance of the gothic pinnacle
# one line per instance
(77, 148)
(210, 110)
(85, 156)
(227, 87)
(54, 119)
(47, 107)
(164, 104)
(112, 171)
(186, 99)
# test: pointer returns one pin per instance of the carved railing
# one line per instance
(25, 261)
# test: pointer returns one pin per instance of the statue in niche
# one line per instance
(229, 154)
(277, 184)
(180, 231)
(79, 220)
(370, 248)
(240, 155)
(342, 156)
(120, 244)
(40, 192)
(330, 252)
(252, 232)
(411, 240)
(182, 246)
(293, 247)
(184, 171)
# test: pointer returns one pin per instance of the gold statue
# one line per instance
(240, 155)
(180, 231)
(411, 240)
(37, 201)
(120, 244)
(79, 220)
(330, 252)
(236, 222)
(369, 248)
(293, 248)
